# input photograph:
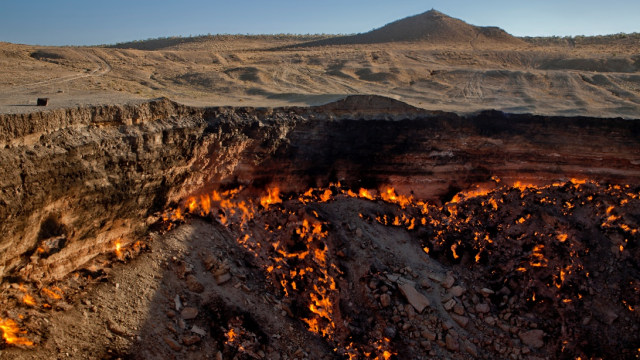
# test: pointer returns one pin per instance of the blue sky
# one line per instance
(90, 22)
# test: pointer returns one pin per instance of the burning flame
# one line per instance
(389, 195)
(55, 293)
(538, 259)
(231, 335)
(26, 298)
(118, 249)
(273, 197)
(29, 300)
(453, 251)
(296, 252)
(364, 193)
(469, 194)
(326, 195)
(11, 333)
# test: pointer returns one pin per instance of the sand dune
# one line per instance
(428, 60)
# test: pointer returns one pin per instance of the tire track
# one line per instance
(102, 67)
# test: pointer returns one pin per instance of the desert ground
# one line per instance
(447, 66)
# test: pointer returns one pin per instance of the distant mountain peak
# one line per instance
(434, 12)
(431, 26)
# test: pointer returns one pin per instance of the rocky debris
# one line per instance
(198, 330)
(448, 281)
(604, 313)
(416, 299)
(451, 342)
(189, 313)
(490, 320)
(487, 292)
(209, 261)
(385, 300)
(458, 309)
(463, 321)
(390, 332)
(533, 338)
(191, 340)
(117, 329)
(482, 308)
(222, 278)
(449, 304)
(470, 348)
(457, 291)
(429, 335)
(172, 343)
(194, 285)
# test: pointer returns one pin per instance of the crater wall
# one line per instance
(74, 181)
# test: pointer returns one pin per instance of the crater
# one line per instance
(363, 228)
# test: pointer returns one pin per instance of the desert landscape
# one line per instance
(429, 189)
(445, 65)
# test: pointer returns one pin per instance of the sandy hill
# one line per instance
(431, 26)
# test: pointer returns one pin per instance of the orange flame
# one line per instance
(389, 195)
(29, 300)
(11, 333)
(26, 298)
(577, 182)
(538, 257)
(469, 194)
(273, 197)
(326, 195)
(453, 251)
(231, 335)
(55, 293)
(364, 193)
(118, 249)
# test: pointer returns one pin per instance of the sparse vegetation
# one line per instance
(170, 41)
(620, 38)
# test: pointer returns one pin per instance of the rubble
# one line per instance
(189, 313)
(194, 285)
(416, 299)
(533, 338)
(385, 300)
(117, 329)
(172, 343)
(222, 278)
